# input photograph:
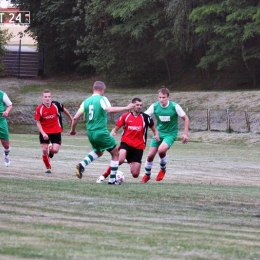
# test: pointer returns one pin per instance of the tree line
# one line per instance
(145, 41)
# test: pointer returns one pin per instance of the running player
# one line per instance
(5, 108)
(49, 123)
(96, 108)
(166, 113)
(133, 141)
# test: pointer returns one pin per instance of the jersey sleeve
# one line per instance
(59, 106)
(104, 102)
(81, 108)
(6, 100)
(148, 120)
(179, 111)
(121, 120)
(150, 110)
(37, 115)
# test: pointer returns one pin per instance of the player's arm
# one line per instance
(67, 113)
(105, 104)
(119, 123)
(155, 133)
(74, 122)
(8, 105)
(39, 126)
(183, 115)
(114, 130)
(186, 129)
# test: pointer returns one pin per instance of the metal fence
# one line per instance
(223, 120)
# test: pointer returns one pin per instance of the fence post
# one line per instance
(247, 122)
(228, 122)
(208, 119)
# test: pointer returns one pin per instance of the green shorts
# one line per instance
(101, 140)
(168, 139)
(4, 133)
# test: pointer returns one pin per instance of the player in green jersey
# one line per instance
(166, 113)
(96, 108)
(5, 108)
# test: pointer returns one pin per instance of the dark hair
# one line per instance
(164, 91)
(99, 85)
(136, 99)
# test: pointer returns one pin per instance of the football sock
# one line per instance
(114, 168)
(107, 172)
(148, 167)
(6, 151)
(92, 156)
(46, 160)
(163, 162)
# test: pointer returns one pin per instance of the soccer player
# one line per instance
(96, 108)
(5, 108)
(166, 113)
(49, 123)
(133, 141)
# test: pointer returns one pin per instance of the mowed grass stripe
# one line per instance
(131, 221)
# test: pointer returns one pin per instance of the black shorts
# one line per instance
(132, 154)
(53, 138)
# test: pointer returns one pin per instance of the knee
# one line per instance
(135, 175)
(150, 158)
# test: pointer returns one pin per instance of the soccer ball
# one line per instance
(120, 177)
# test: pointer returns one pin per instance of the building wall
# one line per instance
(15, 29)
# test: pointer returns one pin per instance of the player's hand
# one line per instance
(156, 138)
(5, 114)
(113, 132)
(130, 106)
(45, 136)
(184, 139)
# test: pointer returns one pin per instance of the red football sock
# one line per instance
(107, 172)
(46, 161)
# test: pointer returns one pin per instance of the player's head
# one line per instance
(164, 91)
(99, 87)
(163, 96)
(46, 97)
(138, 105)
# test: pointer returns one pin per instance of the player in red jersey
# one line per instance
(133, 141)
(49, 123)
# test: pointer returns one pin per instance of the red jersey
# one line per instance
(135, 129)
(50, 117)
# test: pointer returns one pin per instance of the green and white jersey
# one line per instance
(95, 113)
(4, 102)
(166, 117)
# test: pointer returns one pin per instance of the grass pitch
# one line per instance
(207, 207)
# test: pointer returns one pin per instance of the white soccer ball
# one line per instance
(120, 177)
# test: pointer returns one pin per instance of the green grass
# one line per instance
(75, 220)
(207, 207)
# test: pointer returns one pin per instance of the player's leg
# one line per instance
(162, 150)
(135, 168)
(91, 156)
(6, 146)
(55, 143)
(114, 163)
(106, 173)
(4, 136)
(149, 163)
(134, 156)
(45, 156)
